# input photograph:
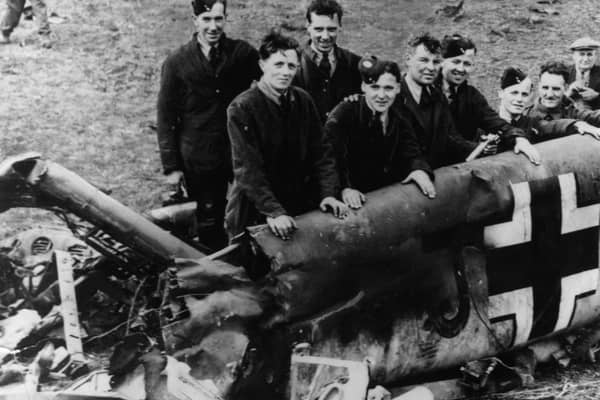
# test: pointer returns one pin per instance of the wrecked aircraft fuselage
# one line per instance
(506, 254)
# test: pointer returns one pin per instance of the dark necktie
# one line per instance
(425, 96)
(284, 103)
(376, 124)
(514, 122)
(213, 57)
(325, 65)
(452, 96)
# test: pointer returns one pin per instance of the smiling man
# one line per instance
(374, 144)
(472, 115)
(327, 72)
(552, 102)
(278, 149)
(515, 93)
(198, 82)
(425, 107)
(584, 74)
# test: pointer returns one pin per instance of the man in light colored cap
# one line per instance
(584, 74)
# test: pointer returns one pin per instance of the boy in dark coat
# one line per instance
(198, 82)
(327, 72)
(374, 144)
(278, 149)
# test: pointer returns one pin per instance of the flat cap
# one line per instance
(584, 43)
(512, 76)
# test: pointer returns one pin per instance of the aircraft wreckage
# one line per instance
(402, 289)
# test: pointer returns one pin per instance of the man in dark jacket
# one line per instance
(426, 108)
(471, 113)
(552, 103)
(374, 144)
(278, 148)
(584, 74)
(198, 82)
(516, 88)
(327, 72)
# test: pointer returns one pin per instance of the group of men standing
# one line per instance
(263, 136)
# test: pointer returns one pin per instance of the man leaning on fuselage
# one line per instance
(515, 92)
(552, 102)
(278, 149)
(425, 107)
(374, 144)
(472, 115)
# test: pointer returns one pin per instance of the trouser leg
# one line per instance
(12, 15)
(40, 14)
(209, 190)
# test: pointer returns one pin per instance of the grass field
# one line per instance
(89, 102)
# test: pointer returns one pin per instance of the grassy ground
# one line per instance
(89, 102)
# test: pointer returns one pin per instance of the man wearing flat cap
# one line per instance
(584, 74)
(329, 73)
(375, 145)
(426, 108)
(472, 115)
(515, 92)
(552, 102)
(198, 82)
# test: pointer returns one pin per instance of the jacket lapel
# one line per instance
(410, 103)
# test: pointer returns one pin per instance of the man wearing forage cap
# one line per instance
(584, 74)
(472, 115)
(516, 88)
(375, 145)
(198, 82)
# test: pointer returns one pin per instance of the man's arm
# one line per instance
(592, 117)
(492, 123)
(336, 132)
(320, 152)
(168, 118)
(248, 163)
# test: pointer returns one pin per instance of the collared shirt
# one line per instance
(505, 115)
(383, 116)
(205, 48)
(317, 56)
(269, 91)
(414, 88)
(449, 90)
(583, 77)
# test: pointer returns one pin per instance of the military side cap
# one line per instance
(512, 76)
(202, 6)
(371, 68)
(456, 45)
(584, 43)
